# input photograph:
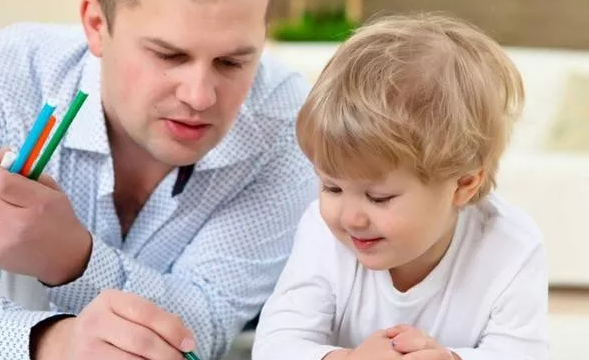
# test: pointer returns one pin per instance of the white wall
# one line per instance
(551, 187)
(38, 10)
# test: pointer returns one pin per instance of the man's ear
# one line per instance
(95, 25)
(467, 186)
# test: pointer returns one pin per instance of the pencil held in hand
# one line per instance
(190, 356)
(38, 147)
(33, 137)
(7, 160)
(59, 134)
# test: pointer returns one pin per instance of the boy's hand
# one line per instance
(40, 235)
(116, 326)
(415, 344)
(376, 347)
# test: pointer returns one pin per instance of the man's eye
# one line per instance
(168, 57)
(230, 63)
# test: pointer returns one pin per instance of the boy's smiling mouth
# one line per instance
(365, 243)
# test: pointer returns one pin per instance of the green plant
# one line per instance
(323, 25)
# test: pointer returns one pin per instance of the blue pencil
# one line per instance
(33, 137)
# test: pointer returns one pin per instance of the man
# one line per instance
(180, 182)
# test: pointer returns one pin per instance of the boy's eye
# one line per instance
(380, 200)
(331, 189)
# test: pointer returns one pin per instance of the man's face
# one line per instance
(175, 72)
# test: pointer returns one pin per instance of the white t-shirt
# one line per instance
(486, 300)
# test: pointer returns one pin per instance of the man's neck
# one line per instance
(137, 169)
(133, 163)
(136, 176)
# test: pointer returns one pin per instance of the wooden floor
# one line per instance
(569, 301)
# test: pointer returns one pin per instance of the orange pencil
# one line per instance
(38, 147)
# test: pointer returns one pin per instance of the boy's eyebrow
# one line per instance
(240, 51)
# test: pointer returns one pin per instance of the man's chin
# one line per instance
(174, 153)
(174, 160)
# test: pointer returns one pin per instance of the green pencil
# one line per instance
(59, 134)
(190, 356)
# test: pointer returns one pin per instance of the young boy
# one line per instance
(408, 255)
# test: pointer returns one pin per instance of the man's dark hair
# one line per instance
(109, 8)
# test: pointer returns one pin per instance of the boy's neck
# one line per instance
(409, 275)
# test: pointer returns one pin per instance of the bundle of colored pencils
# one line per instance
(27, 161)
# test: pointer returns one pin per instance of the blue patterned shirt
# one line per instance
(212, 253)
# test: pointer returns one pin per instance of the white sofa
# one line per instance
(552, 187)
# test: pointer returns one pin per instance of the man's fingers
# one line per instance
(7, 213)
(140, 311)
(138, 340)
(22, 192)
(49, 182)
(108, 351)
(12, 190)
(18, 190)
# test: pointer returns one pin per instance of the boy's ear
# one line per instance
(467, 187)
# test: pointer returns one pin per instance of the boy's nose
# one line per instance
(353, 219)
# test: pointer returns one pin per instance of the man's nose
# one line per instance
(197, 88)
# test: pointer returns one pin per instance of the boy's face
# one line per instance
(397, 223)
(175, 72)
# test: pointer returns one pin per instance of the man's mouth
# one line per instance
(185, 129)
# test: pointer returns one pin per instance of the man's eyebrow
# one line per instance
(243, 51)
(165, 45)
(240, 51)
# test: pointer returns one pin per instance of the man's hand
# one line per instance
(415, 344)
(116, 326)
(40, 235)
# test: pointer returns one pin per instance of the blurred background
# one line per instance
(546, 169)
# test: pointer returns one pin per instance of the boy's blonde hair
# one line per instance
(429, 92)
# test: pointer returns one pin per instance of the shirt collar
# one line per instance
(244, 140)
(88, 131)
